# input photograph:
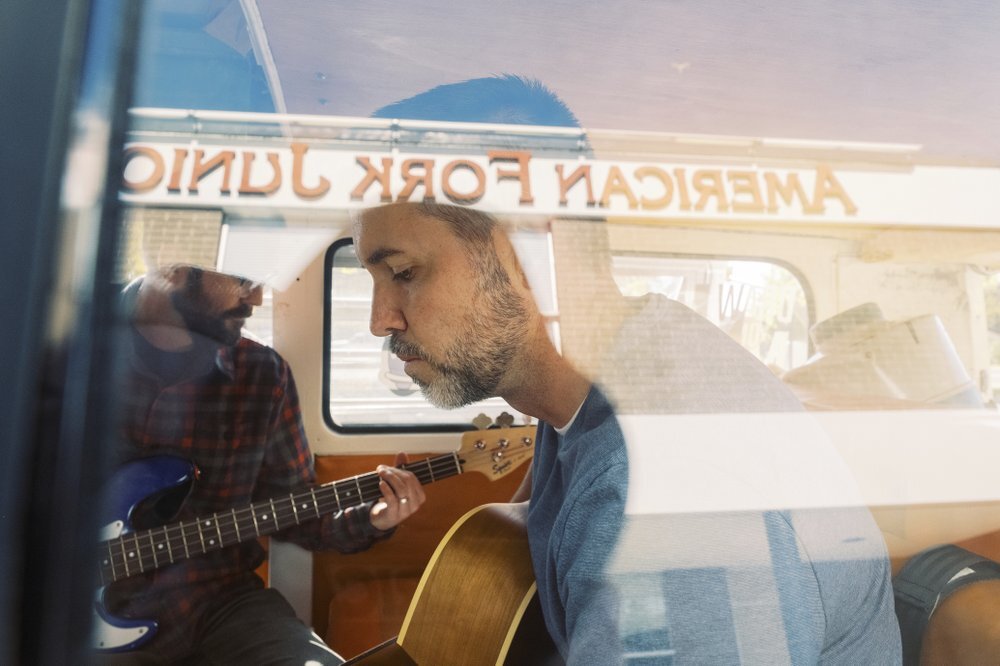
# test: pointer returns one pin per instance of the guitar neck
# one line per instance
(147, 550)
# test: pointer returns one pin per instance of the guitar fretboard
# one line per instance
(146, 550)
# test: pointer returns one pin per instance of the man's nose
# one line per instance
(387, 317)
(252, 294)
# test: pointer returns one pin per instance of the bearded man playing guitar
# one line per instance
(195, 388)
(455, 303)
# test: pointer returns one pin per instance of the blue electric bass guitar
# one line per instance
(127, 552)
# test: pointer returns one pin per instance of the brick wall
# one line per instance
(162, 236)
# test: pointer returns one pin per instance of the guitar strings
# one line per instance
(147, 550)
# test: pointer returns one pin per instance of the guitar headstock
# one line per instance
(498, 451)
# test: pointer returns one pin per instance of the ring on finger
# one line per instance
(404, 500)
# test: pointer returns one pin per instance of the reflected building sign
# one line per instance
(298, 175)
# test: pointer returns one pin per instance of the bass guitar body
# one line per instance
(135, 483)
(476, 602)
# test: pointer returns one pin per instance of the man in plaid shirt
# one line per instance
(197, 389)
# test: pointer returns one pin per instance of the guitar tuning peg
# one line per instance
(482, 422)
(505, 420)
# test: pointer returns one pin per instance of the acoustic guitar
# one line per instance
(127, 552)
(477, 601)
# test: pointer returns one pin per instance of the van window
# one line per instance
(761, 305)
(365, 385)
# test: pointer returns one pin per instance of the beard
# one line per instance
(199, 320)
(478, 358)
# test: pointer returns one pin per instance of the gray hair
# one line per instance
(471, 226)
(475, 229)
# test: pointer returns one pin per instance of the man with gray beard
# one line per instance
(487, 321)
(452, 297)
(472, 364)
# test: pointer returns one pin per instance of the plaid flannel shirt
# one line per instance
(240, 423)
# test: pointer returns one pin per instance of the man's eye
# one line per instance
(404, 275)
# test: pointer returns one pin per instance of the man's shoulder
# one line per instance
(595, 445)
(250, 345)
(602, 420)
(251, 356)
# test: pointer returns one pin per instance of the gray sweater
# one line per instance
(608, 598)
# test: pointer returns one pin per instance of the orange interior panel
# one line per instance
(360, 600)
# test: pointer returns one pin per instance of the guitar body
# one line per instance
(133, 484)
(476, 602)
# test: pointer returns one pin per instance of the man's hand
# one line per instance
(402, 495)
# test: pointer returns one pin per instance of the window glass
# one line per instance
(199, 54)
(767, 232)
(761, 305)
(993, 325)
